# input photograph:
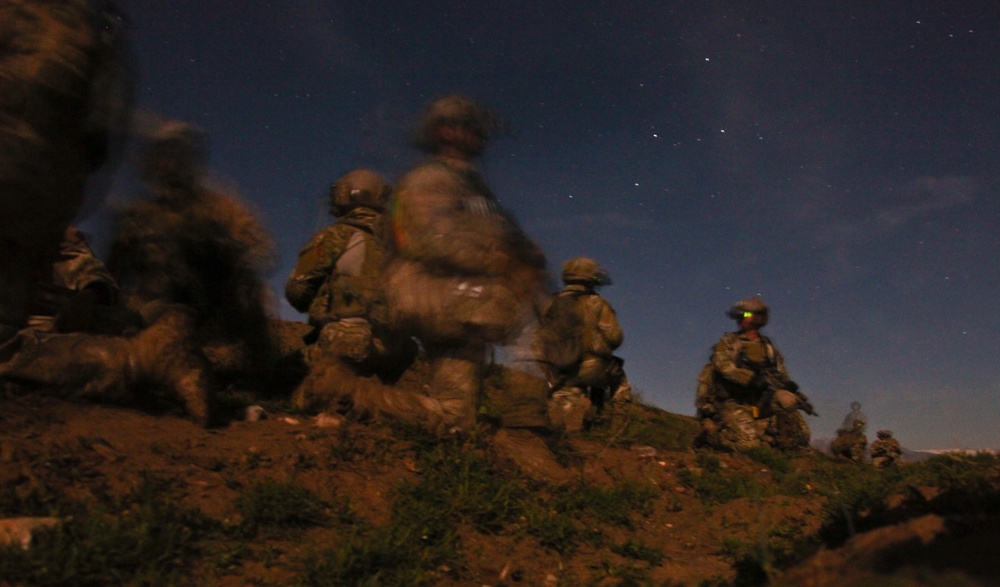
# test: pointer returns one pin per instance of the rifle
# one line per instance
(770, 380)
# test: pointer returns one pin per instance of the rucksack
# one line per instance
(561, 332)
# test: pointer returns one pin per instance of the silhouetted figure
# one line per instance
(886, 450)
(745, 396)
(65, 96)
(577, 339)
(339, 280)
(194, 244)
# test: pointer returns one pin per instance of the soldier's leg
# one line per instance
(456, 379)
(568, 409)
(738, 429)
(118, 368)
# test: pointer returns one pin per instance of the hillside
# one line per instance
(147, 497)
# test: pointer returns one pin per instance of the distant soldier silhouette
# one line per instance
(65, 97)
(855, 415)
(886, 450)
(192, 243)
(578, 336)
(339, 280)
(850, 443)
(745, 397)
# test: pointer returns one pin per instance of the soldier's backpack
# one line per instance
(359, 276)
(561, 332)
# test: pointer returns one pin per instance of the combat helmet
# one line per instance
(584, 270)
(884, 434)
(454, 109)
(361, 187)
(748, 306)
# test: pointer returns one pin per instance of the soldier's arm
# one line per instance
(607, 322)
(724, 361)
(315, 264)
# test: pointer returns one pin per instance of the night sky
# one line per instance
(837, 158)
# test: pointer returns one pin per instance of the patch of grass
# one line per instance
(457, 485)
(714, 486)
(777, 462)
(637, 550)
(140, 539)
(615, 505)
(274, 505)
(648, 425)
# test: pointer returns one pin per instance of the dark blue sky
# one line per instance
(838, 158)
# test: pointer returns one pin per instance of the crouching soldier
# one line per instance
(745, 397)
(577, 338)
(850, 443)
(338, 280)
(886, 450)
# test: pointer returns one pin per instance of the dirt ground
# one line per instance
(81, 450)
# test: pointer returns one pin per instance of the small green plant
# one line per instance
(275, 505)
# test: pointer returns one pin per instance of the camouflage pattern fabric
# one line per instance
(726, 399)
(339, 273)
(465, 276)
(465, 270)
(64, 101)
(886, 452)
(850, 445)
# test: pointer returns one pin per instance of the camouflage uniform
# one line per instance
(191, 243)
(80, 343)
(465, 276)
(886, 450)
(850, 444)
(577, 339)
(855, 415)
(730, 398)
(338, 280)
(78, 294)
(64, 101)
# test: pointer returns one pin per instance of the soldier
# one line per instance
(79, 343)
(577, 339)
(64, 101)
(855, 415)
(850, 443)
(192, 243)
(886, 451)
(465, 278)
(745, 397)
(338, 280)
(79, 294)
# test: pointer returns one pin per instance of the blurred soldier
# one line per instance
(855, 415)
(79, 343)
(192, 243)
(338, 280)
(64, 99)
(886, 450)
(850, 443)
(577, 339)
(465, 278)
(745, 397)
